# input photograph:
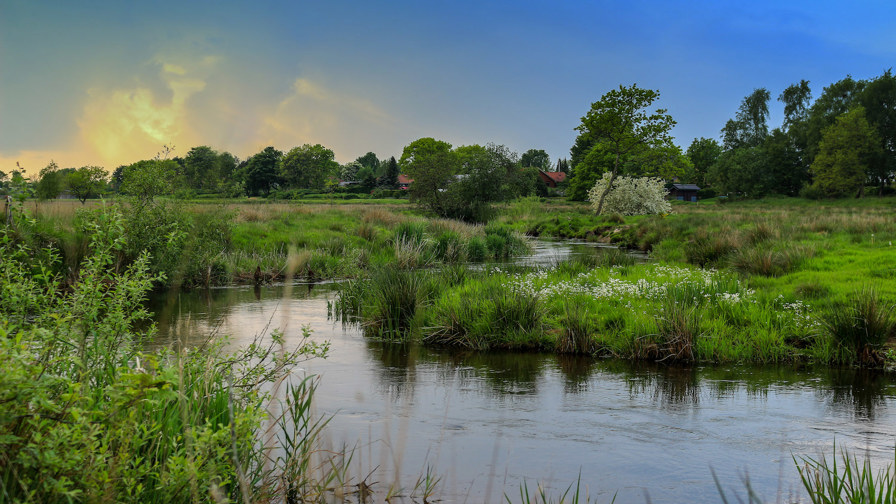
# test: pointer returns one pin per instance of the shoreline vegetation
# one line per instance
(768, 281)
(89, 416)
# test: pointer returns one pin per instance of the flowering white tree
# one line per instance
(630, 196)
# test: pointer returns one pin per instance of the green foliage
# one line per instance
(51, 182)
(749, 126)
(620, 121)
(90, 417)
(847, 150)
(261, 173)
(535, 158)
(146, 180)
(86, 182)
(308, 166)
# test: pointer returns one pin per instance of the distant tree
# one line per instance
(432, 172)
(366, 177)
(148, 179)
(370, 161)
(50, 184)
(741, 172)
(620, 120)
(879, 100)
(200, 168)
(390, 174)
(117, 178)
(750, 125)
(86, 182)
(308, 167)
(796, 99)
(703, 153)
(847, 149)
(784, 166)
(349, 171)
(418, 150)
(836, 99)
(536, 158)
(261, 174)
(562, 165)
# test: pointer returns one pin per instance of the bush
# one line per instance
(706, 193)
(631, 196)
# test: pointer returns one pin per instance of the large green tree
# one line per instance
(308, 167)
(750, 125)
(622, 122)
(261, 173)
(86, 182)
(146, 180)
(51, 182)
(846, 152)
(201, 168)
(703, 153)
(535, 158)
(879, 100)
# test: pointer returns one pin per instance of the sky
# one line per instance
(111, 82)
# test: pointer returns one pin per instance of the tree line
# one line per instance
(841, 144)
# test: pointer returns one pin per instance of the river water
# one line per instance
(487, 422)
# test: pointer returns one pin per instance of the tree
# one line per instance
(585, 174)
(621, 122)
(201, 168)
(784, 164)
(350, 170)
(262, 172)
(86, 181)
(390, 175)
(370, 161)
(836, 99)
(146, 180)
(666, 162)
(796, 99)
(750, 125)
(879, 100)
(50, 184)
(419, 150)
(629, 196)
(741, 172)
(308, 167)
(536, 158)
(703, 153)
(847, 149)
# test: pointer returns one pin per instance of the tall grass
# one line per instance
(850, 482)
(860, 326)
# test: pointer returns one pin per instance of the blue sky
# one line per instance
(108, 83)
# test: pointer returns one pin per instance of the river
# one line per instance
(487, 422)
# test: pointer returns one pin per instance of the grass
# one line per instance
(850, 482)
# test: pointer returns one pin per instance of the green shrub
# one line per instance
(860, 326)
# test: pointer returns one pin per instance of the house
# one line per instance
(551, 179)
(683, 192)
(404, 182)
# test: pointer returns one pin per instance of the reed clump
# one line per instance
(860, 326)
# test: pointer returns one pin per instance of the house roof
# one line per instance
(686, 187)
(555, 176)
(403, 179)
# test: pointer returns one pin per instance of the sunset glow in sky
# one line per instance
(109, 82)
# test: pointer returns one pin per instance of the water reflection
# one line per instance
(626, 426)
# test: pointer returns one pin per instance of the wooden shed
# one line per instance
(684, 192)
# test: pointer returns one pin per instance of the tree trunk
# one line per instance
(600, 202)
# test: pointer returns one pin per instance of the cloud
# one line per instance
(316, 113)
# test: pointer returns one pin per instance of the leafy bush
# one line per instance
(631, 196)
(87, 416)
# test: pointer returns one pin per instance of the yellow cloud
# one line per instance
(314, 113)
(130, 124)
